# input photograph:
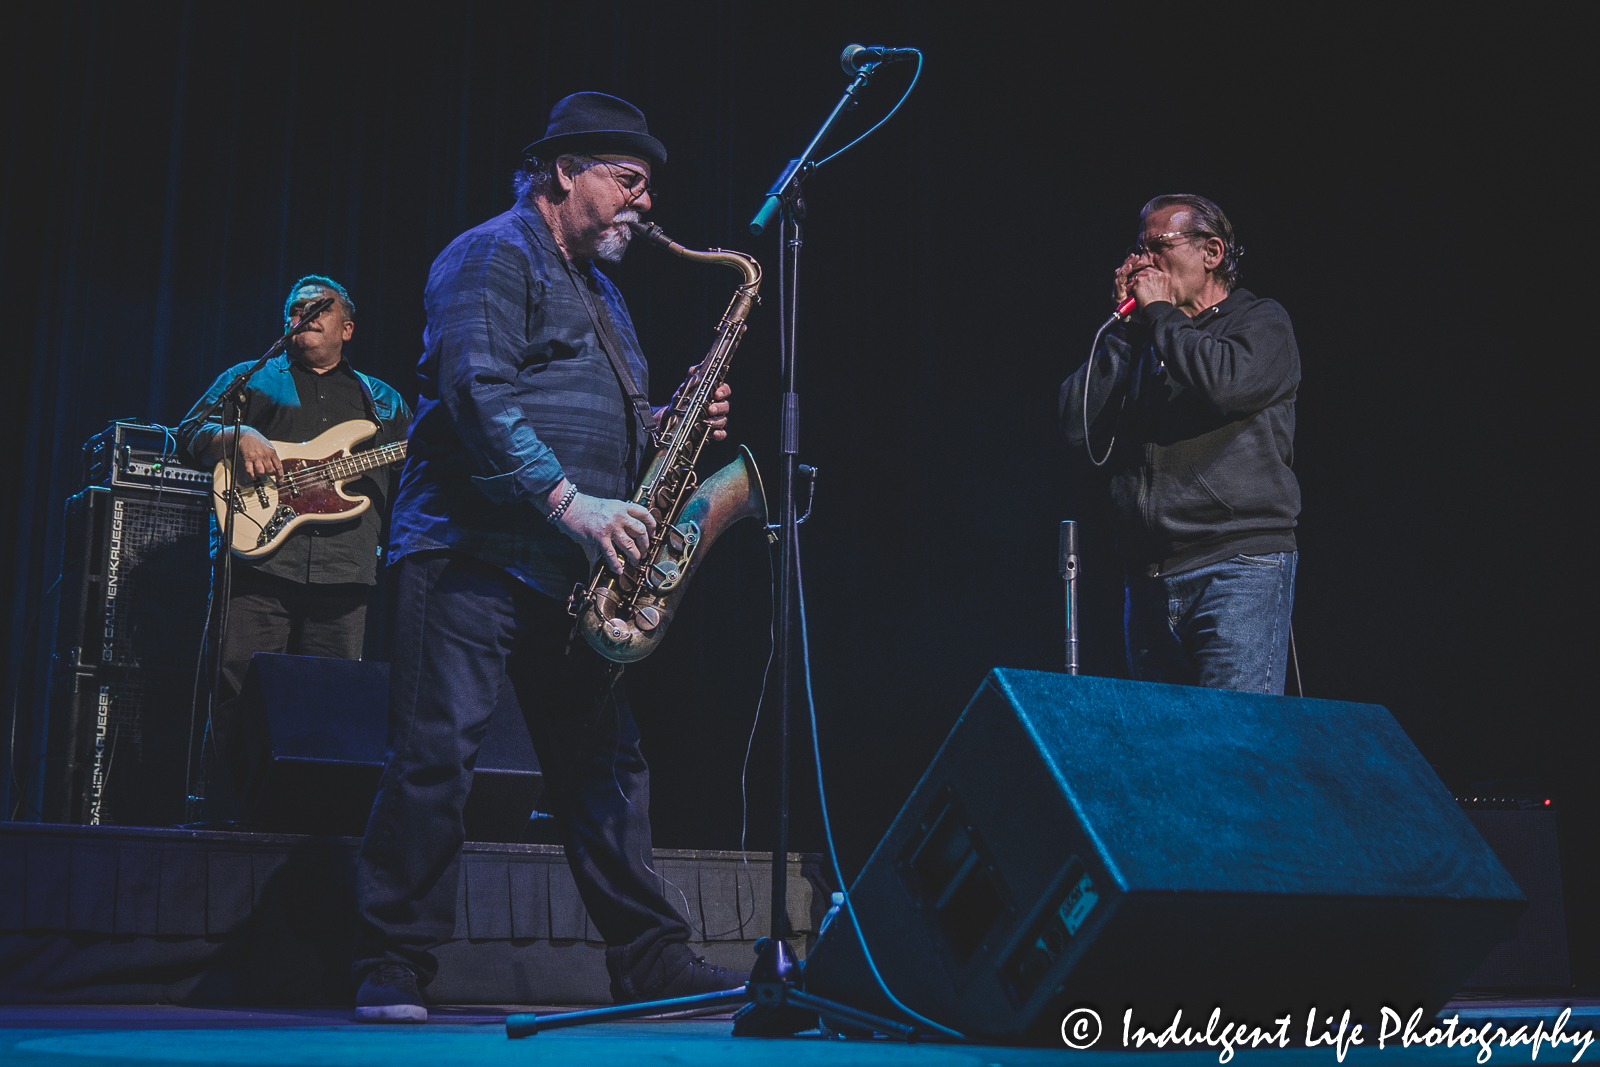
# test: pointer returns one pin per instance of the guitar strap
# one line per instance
(608, 339)
(371, 404)
(601, 320)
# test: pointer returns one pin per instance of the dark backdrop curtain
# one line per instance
(1403, 188)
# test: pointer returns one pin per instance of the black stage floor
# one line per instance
(148, 1035)
(143, 946)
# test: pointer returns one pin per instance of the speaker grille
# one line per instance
(135, 580)
(129, 639)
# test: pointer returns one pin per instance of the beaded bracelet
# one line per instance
(566, 502)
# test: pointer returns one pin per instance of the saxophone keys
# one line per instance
(682, 537)
(617, 629)
(647, 618)
(663, 575)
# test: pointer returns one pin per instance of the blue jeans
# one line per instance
(1223, 626)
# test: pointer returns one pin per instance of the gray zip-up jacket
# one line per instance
(1201, 412)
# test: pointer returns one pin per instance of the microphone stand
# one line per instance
(222, 565)
(1069, 575)
(789, 179)
(776, 1004)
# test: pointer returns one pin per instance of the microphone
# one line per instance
(1124, 308)
(309, 315)
(854, 56)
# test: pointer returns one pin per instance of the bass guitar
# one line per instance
(315, 473)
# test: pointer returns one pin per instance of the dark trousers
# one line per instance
(464, 630)
(271, 614)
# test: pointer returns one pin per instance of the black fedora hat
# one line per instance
(595, 122)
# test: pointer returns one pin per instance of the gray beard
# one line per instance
(613, 243)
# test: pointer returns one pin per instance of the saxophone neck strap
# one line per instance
(613, 350)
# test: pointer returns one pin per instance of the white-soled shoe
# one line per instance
(389, 995)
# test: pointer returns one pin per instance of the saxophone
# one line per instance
(623, 617)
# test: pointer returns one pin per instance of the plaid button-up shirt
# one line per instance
(515, 393)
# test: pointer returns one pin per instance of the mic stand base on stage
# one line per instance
(775, 1005)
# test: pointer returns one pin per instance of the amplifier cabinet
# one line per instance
(1526, 842)
(118, 747)
(120, 716)
(316, 731)
(136, 574)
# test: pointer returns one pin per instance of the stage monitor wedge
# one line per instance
(316, 731)
(1084, 841)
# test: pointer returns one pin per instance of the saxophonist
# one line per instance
(531, 425)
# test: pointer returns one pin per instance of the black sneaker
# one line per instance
(674, 971)
(698, 976)
(389, 995)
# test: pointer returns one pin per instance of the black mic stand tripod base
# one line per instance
(775, 1005)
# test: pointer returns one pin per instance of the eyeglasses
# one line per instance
(633, 183)
(1158, 243)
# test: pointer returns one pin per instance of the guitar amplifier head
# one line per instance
(136, 455)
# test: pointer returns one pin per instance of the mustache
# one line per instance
(625, 216)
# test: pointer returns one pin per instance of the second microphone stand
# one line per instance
(1068, 557)
(222, 565)
(776, 1004)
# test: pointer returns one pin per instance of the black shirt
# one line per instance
(285, 401)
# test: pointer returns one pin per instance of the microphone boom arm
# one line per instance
(796, 169)
(235, 388)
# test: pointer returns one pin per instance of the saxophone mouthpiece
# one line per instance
(651, 232)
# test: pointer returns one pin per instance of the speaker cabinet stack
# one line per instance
(1090, 842)
(134, 584)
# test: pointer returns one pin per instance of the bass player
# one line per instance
(309, 597)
